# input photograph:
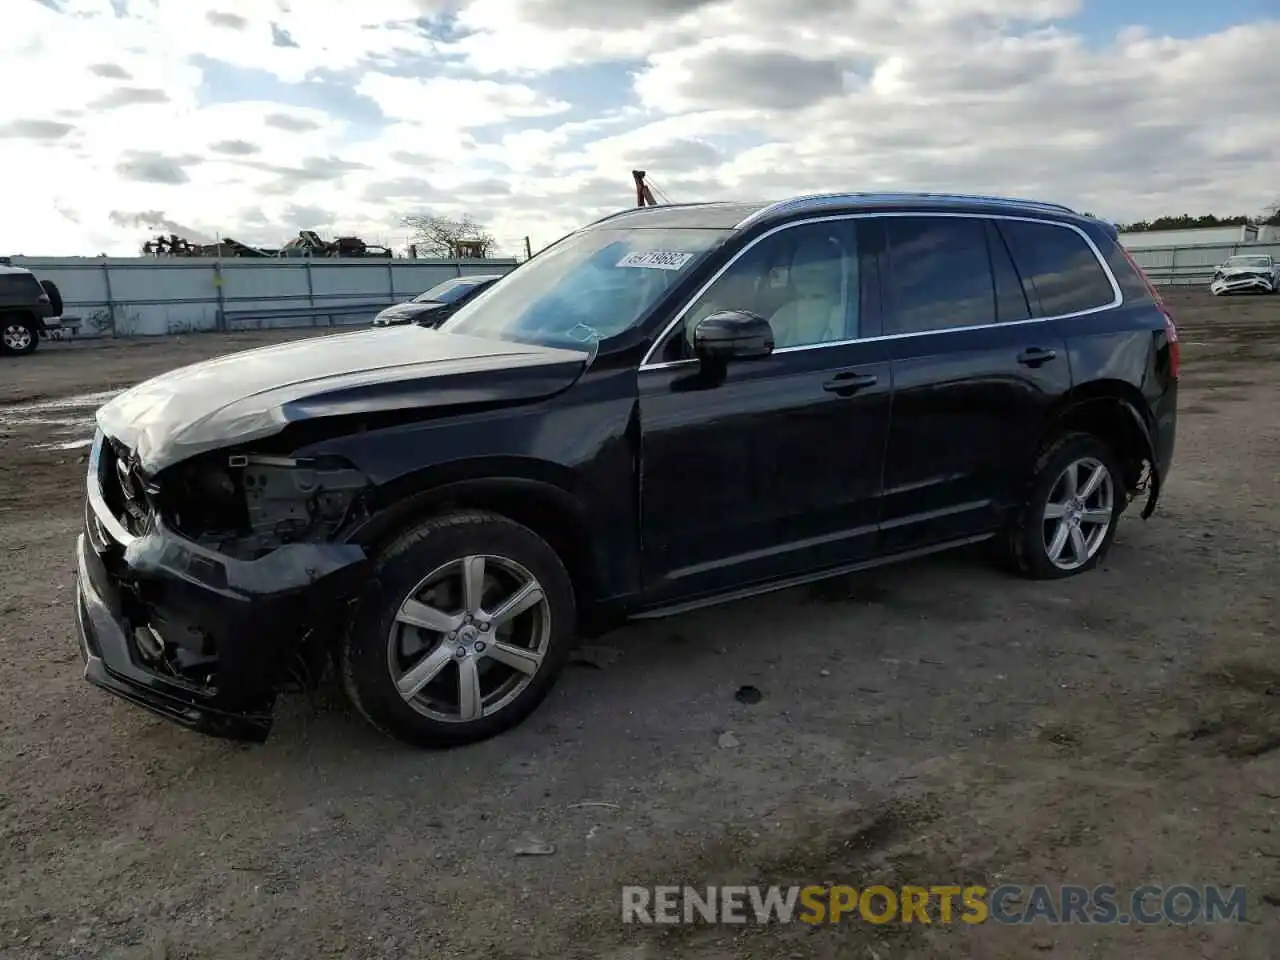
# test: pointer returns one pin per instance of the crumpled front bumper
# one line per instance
(1243, 284)
(199, 638)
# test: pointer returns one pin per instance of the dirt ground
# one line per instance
(933, 723)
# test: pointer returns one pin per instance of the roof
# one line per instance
(5, 269)
(721, 215)
(738, 215)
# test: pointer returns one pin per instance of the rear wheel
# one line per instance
(462, 633)
(1069, 520)
(19, 335)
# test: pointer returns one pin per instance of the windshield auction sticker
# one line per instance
(656, 259)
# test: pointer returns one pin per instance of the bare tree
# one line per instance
(438, 236)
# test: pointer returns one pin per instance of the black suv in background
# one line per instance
(25, 305)
(672, 407)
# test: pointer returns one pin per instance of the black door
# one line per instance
(774, 470)
(975, 376)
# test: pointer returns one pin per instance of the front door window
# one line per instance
(803, 280)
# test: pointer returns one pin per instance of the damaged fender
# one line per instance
(1153, 493)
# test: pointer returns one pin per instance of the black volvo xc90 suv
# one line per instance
(672, 407)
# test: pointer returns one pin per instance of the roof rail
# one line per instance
(818, 201)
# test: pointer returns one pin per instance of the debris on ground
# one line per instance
(532, 847)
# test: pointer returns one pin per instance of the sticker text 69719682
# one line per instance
(656, 259)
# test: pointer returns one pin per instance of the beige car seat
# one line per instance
(816, 312)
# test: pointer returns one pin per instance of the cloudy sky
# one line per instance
(254, 118)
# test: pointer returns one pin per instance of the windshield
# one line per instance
(588, 287)
(1249, 262)
(446, 292)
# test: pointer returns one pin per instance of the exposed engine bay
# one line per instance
(246, 505)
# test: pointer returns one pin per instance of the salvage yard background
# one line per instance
(934, 723)
(155, 296)
(141, 296)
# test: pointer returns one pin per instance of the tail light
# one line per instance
(1170, 329)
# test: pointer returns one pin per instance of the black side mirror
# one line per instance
(732, 335)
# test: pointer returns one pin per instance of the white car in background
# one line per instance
(1251, 272)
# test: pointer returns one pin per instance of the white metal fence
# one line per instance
(1192, 265)
(150, 297)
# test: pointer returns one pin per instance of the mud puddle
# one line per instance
(62, 424)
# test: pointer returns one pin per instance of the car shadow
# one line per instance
(646, 671)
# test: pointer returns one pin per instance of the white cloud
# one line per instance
(455, 104)
(716, 98)
(503, 36)
(334, 34)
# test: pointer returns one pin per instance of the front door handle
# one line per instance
(1035, 356)
(850, 382)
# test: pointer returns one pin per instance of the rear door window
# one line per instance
(939, 274)
(1011, 299)
(1058, 268)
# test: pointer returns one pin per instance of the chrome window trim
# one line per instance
(1117, 298)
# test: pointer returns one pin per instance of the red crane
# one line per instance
(644, 196)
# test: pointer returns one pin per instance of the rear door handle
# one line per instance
(850, 382)
(1034, 356)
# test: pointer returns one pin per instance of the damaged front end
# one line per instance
(1260, 281)
(202, 592)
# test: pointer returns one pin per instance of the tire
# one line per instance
(1031, 538)
(19, 335)
(54, 295)
(425, 566)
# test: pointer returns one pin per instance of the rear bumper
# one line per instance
(1162, 433)
(1166, 435)
(201, 639)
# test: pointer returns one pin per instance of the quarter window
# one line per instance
(20, 285)
(939, 274)
(1059, 270)
(803, 280)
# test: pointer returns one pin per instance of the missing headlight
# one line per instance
(246, 505)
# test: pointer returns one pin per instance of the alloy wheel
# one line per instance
(16, 336)
(469, 638)
(1078, 513)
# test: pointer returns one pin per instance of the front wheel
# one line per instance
(462, 632)
(18, 336)
(1068, 522)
